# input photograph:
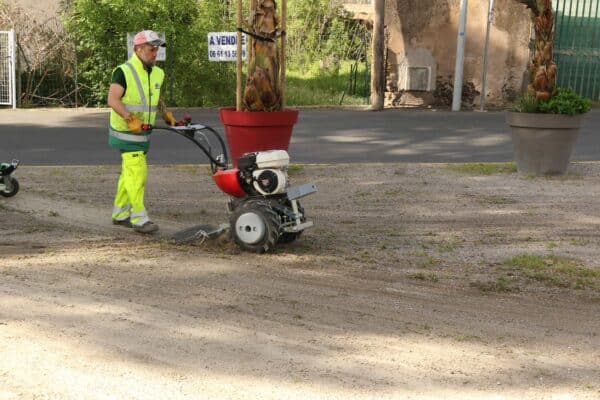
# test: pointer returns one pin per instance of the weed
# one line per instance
(501, 285)
(424, 276)
(430, 262)
(392, 192)
(362, 193)
(483, 168)
(578, 242)
(448, 246)
(295, 169)
(554, 270)
(497, 200)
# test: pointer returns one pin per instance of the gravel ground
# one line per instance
(417, 281)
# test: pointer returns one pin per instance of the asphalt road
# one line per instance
(78, 137)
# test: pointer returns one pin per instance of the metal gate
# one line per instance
(577, 45)
(8, 95)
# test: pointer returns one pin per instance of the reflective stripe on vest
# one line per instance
(128, 136)
(138, 83)
(140, 108)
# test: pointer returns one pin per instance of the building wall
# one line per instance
(423, 31)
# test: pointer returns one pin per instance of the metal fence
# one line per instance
(577, 45)
(52, 82)
(7, 69)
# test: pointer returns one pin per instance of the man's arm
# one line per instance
(162, 107)
(166, 114)
(115, 92)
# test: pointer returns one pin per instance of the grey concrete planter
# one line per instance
(543, 143)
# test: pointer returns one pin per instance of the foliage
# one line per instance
(100, 27)
(526, 104)
(564, 101)
(318, 32)
(45, 56)
(311, 85)
(323, 30)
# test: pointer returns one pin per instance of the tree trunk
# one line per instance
(262, 91)
(542, 69)
(377, 64)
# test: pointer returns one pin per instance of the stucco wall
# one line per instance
(431, 27)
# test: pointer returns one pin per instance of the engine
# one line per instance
(264, 172)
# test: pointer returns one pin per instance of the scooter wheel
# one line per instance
(15, 188)
(255, 226)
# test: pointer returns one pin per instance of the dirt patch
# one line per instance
(417, 281)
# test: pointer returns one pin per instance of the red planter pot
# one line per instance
(248, 131)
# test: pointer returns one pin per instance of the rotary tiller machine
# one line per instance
(265, 209)
(9, 185)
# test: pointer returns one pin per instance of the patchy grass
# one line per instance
(483, 168)
(429, 262)
(553, 270)
(424, 276)
(496, 200)
(295, 169)
(501, 285)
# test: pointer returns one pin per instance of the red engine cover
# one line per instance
(227, 181)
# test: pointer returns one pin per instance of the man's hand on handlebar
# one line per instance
(169, 118)
(134, 124)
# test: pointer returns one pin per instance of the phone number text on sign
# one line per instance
(222, 46)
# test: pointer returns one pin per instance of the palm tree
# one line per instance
(263, 89)
(542, 69)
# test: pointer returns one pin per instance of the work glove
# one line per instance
(134, 124)
(169, 118)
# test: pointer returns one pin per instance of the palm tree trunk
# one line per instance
(262, 91)
(542, 69)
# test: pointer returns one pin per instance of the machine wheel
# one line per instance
(15, 188)
(255, 226)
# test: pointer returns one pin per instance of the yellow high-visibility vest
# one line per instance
(141, 99)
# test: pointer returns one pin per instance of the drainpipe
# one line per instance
(460, 56)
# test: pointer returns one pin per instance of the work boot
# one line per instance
(123, 222)
(148, 227)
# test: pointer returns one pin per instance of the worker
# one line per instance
(134, 98)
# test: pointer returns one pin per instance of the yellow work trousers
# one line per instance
(129, 201)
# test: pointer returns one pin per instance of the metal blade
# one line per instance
(199, 233)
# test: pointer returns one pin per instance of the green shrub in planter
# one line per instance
(564, 101)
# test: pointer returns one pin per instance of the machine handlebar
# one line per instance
(188, 130)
